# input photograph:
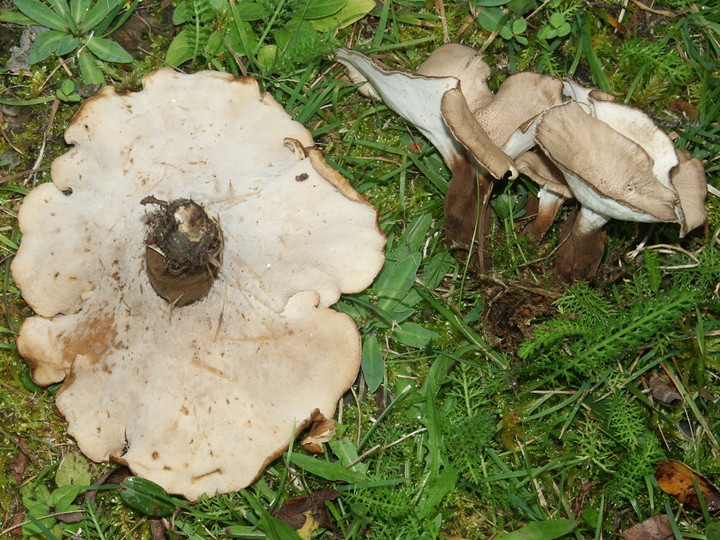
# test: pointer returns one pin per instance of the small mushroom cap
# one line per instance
(520, 98)
(607, 172)
(582, 94)
(419, 100)
(541, 170)
(689, 181)
(198, 398)
(553, 193)
(465, 64)
(473, 137)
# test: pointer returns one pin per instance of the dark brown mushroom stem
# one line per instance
(467, 219)
(580, 250)
(183, 250)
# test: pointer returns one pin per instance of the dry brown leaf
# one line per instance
(311, 510)
(676, 479)
(18, 466)
(663, 391)
(321, 431)
(654, 528)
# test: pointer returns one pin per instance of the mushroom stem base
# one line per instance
(183, 251)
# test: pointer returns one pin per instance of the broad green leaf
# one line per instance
(556, 19)
(346, 451)
(541, 530)
(74, 467)
(61, 7)
(435, 270)
(91, 72)
(317, 9)
(394, 284)
(332, 471)
(181, 13)
(67, 44)
(108, 50)
(247, 532)
(266, 56)
(276, 529)
(78, 10)
(491, 19)
(147, 497)
(547, 32)
(712, 532)
(490, 3)
(67, 91)
(181, 49)
(98, 13)
(353, 11)
(242, 43)
(437, 488)
(42, 15)
(45, 44)
(15, 17)
(373, 365)
(414, 335)
(251, 11)
(518, 7)
(214, 44)
(63, 497)
(519, 26)
(218, 6)
(564, 29)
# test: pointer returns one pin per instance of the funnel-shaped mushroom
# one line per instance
(618, 165)
(205, 185)
(492, 128)
(435, 102)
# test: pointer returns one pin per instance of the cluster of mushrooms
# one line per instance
(183, 261)
(574, 142)
(181, 266)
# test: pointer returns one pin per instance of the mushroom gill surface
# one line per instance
(200, 397)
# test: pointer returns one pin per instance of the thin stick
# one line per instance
(11, 177)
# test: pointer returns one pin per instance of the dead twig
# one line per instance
(11, 177)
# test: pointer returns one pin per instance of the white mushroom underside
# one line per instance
(417, 99)
(196, 398)
(601, 205)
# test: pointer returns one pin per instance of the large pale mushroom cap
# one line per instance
(196, 398)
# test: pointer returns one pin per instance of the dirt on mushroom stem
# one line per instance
(183, 251)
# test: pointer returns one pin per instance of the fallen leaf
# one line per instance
(321, 431)
(416, 147)
(684, 107)
(297, 511)
(309, 527)
(17, 521)
(676, 479)
(18, 466)
(654, 528)
(662, 391)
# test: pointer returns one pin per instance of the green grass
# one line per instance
(487, 402)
